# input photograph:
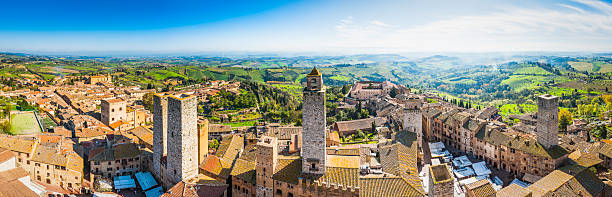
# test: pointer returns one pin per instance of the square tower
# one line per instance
(267, 157)
(160, 128)
(548, 119)
(182, 158)
(113, 110)
(313, 124)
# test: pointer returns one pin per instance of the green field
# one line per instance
(24, 123)
(241, 124)
(581, 66)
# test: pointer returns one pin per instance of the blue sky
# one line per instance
(338, 26)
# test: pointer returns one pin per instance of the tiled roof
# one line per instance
(531, 146)
(387, 186)
(572, 180)
(314, 72)
(118, 151)
(473, 125)
(143, 134)
(244, 170)
(230, 147)
(288, 169)
(6, 154)
(217, 166)
(352, 151)
(342, 161)
(49, 155)
(180, 190)
(13, 174)
(17, 144)
(284, 133)
(513, 190)
(584, 159)
(352, 125)
(400, 158)
(347, 177)
(606, 149)
(433, 112)
(482, 188)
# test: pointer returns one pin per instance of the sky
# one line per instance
(294, 26)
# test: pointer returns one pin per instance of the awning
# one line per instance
(145, 180)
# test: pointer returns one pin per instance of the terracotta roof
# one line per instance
(217, 166)
(387, 186)
(15, 189)
(244, 170)
(288, 169)
(5, 155)
(347, 177)
(531, 146)
(215, 128)
(17, 144)
(350, 151)
(314, 72)
(362, 124)
(92, 132)
(572, 180)
(13, 174)
(143, 134)
(482, 188)
(118, 151)
(49, 155)
(584, 159)
(514, 190)
(230, 147)
(400, 158)
(342, 161)
(181, 190)
(284, 133)
(606, 149)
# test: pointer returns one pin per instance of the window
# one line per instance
(117, 161)
(97, 163)
(313, 166)
(120, 108)
(113, 110)
(28, 162)
(130, 159)
(279, 192)
(289, 194)
(19, 160)
(109, 163)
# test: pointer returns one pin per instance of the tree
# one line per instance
(373, 127)
(359, 134)
(565, 119)
(6, 126)
(147, 99)
(600, 132)
(213, 145)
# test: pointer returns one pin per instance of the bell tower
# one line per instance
(313, 121)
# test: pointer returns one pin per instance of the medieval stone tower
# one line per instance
(313, 124)
(182, 137)
(160, 126)
(175, 138)
(548, 119)
(267, 157)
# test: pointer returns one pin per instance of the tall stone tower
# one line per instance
(113, 110)
(313, 124)
(202, 140)
(182, 162)
(267, 157)
(548, 119)
(160, 127)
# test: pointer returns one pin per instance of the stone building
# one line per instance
(100, 79)
(267, 155)
(116, 160)
(175, 123)
(440, 181)
(113, 110)
(313, 121)
(548, 118)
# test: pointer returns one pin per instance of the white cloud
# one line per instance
(512, 29)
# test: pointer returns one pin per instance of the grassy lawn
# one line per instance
(48, 123)
(509, 109)
(24, 123)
